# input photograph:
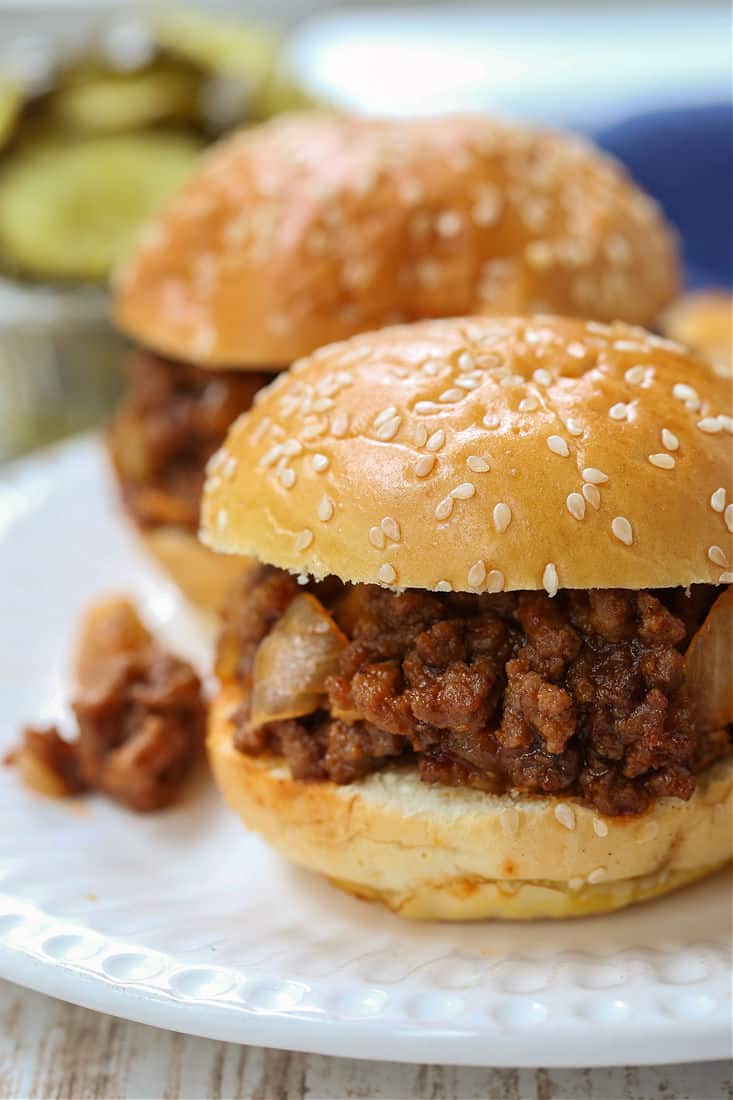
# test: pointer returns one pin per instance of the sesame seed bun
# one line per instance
(485, 454)
(314, 227)
(447, 853)
(203, 577)
(704, 320)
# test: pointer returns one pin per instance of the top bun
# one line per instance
(317, 226)
(485, 454)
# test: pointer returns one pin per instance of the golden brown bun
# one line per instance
(317, 226)
(446, 853)
(341, 469)
(704, 320)
(205, 578)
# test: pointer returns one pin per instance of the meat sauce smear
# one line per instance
(581, 694)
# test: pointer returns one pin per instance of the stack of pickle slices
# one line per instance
(88, 153)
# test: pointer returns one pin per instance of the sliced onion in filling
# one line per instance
(709, 666)
(293, 662)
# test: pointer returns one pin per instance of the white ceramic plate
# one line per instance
(184, 921)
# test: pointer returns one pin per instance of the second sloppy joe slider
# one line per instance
(486, 669)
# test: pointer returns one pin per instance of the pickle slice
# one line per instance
(70, 211)
(11, 102)
(100, 101)
(216, 45)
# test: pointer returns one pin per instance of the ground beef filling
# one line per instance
(172, 418)
(140, 713)
(580, 694)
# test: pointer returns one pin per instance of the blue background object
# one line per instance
(684, 157)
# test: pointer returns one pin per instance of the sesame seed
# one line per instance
(452, 394)
(574, 426)
(576, 883)
(576, 505)
(669, 440)
(213, 483)
(717, 500)
(444, 509)
(635, 375)
(270, 456)
(576, 350)
(717, 556)
(429, 273)
(591, 494)
(287, 477)
(339, 425)
(710, 424)
(391, 528)
(419, 435)
(663, 461)
(424, 465)
(291, 448)
(487, 208)
(229, 468)
(387, 574)
(320, 463)
(222, 519)
(622, 529)
(467, 382)
(599, 827)
(312, 431)
(463, 491)
(302, 579)
(726, 578)
(478, 465)
(325, 509)
(726, 423)
(425, 407)
(502, 516)
(491, 420)
(542, 377)
(388, 430)
(303, 539)
(558, 445)
(538, 254)
(466, 361)
(385, 415)
(432, 368)
(597, 875)
(528, 404)
(477, 574)
(594, 475)
(619, 411)
(436, 440)
(444, 586)
(411, 192)
(565, 815)
(448, 223)
(728, 516)
(376, 537)
(510, 381)
(495, 581)
(550, 579)
(509, 821)
(683, 392)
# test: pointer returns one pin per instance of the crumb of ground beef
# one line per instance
(140, 718)
(172, 418)
(581, 694)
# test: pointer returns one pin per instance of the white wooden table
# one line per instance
(50, 1049)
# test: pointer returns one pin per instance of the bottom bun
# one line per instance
(448, 853)
(203, 576)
